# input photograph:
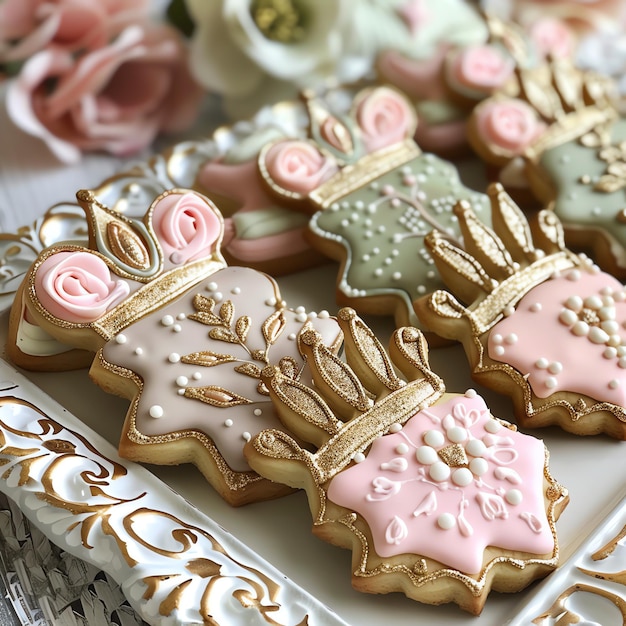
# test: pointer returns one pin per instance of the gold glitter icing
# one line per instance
(488, 305)
(408, 352)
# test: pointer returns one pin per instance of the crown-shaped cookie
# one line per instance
(374, 194)
(174, 330)
(537, 321)
(417, 482)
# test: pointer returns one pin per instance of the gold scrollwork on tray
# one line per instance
(96, 504)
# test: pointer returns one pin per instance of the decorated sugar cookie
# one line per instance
(175, 330)
(538, 322)
(436, 497)
(562, 138)
(374, 195)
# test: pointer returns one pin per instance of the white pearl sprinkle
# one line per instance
(235, 290)
(121, 338)
(492, 426)
(439, 471)
(177, 328)
(174, 357)
(156, 411)
(181, 316)
(541, 363)
(402, 448)
(359, 457)
(434, 438)
(536, 307)
(182, 381)
(550, 382)
(610, 352)
(167, 320)
(257, 412)
(446, 521)
(470, 393)
(228, 423)
(555, 367)
(513, 496)
(196, 375)
(613, 384)
(212, 286)
(478, 466)
(395, 428)
(246, 435)
(462, 477)
(138, 351)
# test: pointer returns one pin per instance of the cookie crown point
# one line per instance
(363, 389)
(496, 268)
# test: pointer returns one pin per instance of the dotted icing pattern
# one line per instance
(578, 317)
(451, 482)
(575, 170)
(203, 377)
(382, 227)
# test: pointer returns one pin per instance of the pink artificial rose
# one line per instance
(116, 98)
(28, 26)
(298, 167)
(508, 126)
(552, 37)
(78, 286)
(186, 226)
(385, 117)
(478, 70)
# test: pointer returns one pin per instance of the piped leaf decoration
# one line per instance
(550, 234)
(249, 369)
(273, 326)
(207, 358)
(342, 380)
(227, 311)
(242, 326)
(127, 246)
(216, 396)
(205, 568)
(289, 367)
(204, 307)
(223, 334)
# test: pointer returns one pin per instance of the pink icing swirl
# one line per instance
(298, 166)
(78, 286)
(186, 226)
(508, 126)
(481, 68)
(385, 118)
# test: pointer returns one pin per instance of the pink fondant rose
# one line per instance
(507, 126)
(186, 226)
(28, 26)
(78, 286)
(116, 98)
(298, 167)
(385, 117)
(480, 69)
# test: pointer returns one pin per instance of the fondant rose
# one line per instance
(477, 70)
(78, 286)
(116, 98)
(507, 126)
(384, 117)
(28, 26)
(297, 166)
(186, 226)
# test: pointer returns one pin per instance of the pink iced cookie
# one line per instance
(435, 496)
(176, 331)
(537, 321)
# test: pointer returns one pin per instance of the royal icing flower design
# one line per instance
(450, 482)
(78, 286)
(577, 317)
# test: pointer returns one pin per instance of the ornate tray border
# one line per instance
(174, 564)
(590, 587)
